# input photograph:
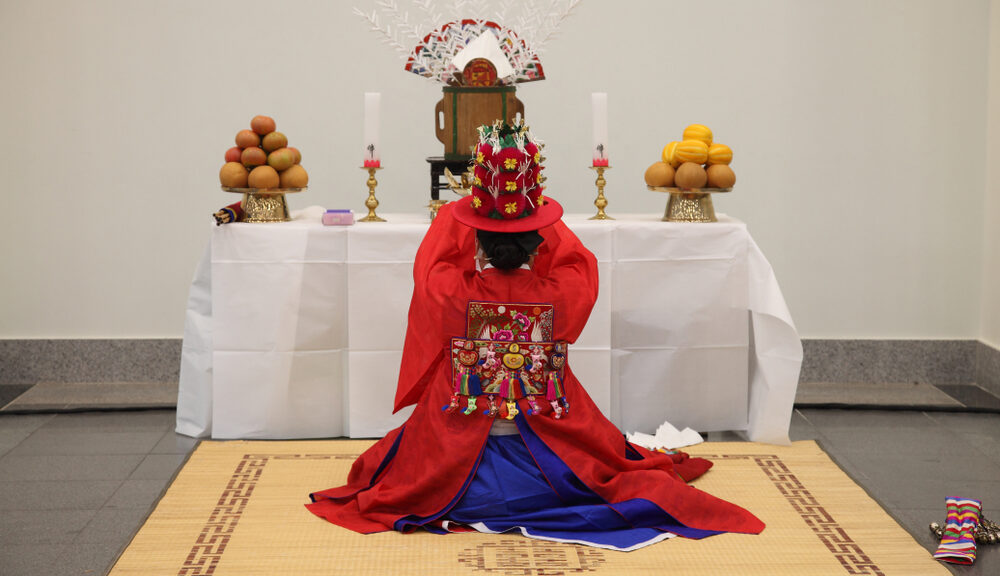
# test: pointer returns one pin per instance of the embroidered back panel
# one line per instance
(508, 354)
(510, 322)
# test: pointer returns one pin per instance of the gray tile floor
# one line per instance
(75, 487)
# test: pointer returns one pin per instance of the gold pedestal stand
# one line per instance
(689, 204)
(434, 206)
(264, 204)
(601, 201)
(461, 186)
(371, 203)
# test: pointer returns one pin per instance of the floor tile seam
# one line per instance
(111, 433)
(930, 418)
(918, 457)
(104, 506)
(37, 454)
(842, 460)
(50, 544)
(863, 481)
(170, 430)
(29, 435)
(804, 417)
(925, 412)
(137, 464)
(995, 460)
(13, 447)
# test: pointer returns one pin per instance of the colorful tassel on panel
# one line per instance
(554, 390)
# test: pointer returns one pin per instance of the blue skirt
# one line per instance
(521, 485)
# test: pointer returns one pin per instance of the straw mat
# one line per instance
(237, 508)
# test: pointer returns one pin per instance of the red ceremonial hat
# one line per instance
(507, 196)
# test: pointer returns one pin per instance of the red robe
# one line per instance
(436, 451)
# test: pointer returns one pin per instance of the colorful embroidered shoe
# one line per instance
(533, 403)
(472, 406)
(492, 409)
(453, 405)
(512, 410)
(958, 542)
(556, 409)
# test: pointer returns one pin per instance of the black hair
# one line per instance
(508, 250)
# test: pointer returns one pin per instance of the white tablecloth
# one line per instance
(295, 330)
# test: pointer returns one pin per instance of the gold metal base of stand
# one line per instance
(371, 203)
(264, 204)
(601, 201)
(689, 205)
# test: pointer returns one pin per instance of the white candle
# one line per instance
(599, 106)
(372, 153)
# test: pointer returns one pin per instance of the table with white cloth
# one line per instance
(295, 329)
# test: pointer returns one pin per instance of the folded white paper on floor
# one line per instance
(667, 436)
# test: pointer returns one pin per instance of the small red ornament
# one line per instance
(483, 177)
(482, 201)
(531, 149)
(535, 194)
(484, 154)
(511, 206)
(510, 159)
(510, 182)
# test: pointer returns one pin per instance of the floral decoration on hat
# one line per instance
(507, 192)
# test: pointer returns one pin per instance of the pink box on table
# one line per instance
(338, 218)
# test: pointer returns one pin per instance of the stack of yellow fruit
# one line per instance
(694, 162)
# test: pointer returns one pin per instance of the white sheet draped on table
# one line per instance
(295, 330)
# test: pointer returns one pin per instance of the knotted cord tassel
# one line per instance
(550, 389)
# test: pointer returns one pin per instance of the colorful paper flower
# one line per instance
(510, 159)
(507, 182)
(484, 154)
(535, 195)
(531, 150)
(482, 201)
(511, 206)
(483, 177)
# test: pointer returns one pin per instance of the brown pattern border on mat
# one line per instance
(828, 530)
(211, 543)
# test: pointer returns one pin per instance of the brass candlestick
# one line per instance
(371, 203)
(601, 201)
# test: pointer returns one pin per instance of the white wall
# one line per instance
(859, 130)
(991, 222)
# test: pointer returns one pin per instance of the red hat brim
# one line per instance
(545, 215)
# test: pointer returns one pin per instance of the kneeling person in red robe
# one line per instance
(503, 437)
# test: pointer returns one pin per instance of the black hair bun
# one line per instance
(508, 251)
